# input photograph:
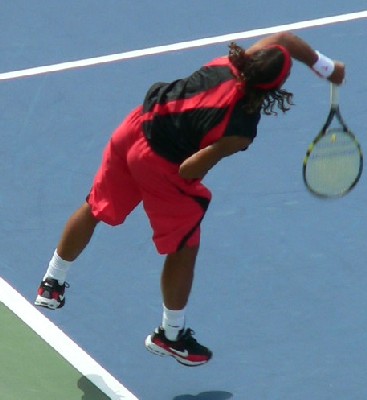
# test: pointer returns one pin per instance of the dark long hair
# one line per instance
(261, 67)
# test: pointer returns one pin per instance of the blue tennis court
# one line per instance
(279, 294)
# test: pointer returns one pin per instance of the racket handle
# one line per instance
(334, 95)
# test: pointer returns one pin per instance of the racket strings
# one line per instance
(333, 164)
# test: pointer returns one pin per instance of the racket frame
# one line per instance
(334, 112)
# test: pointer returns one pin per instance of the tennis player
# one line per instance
(159, 156)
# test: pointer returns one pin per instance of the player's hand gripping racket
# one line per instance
(334, 160)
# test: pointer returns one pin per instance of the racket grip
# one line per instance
(334, 95)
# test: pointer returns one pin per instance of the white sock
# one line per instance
(57, 268)
(172, 322)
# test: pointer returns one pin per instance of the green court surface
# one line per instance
(31, 369)
(38, 361)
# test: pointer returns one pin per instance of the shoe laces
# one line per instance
(188, 335)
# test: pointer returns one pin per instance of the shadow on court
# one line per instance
(90, 391)
(215, 395)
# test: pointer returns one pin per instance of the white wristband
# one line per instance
(324, 66)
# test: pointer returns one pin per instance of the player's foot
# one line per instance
(186, 350)
(51, 294)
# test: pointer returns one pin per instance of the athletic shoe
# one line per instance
(186, 350)
(51, 294)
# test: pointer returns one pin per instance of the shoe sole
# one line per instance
(50, 304)
(157, 350)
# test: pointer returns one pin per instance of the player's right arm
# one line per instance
(300, 51)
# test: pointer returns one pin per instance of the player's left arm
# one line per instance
(198, 165)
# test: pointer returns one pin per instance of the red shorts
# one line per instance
(131, 172)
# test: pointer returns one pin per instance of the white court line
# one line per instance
(181, 46)
(57, 339)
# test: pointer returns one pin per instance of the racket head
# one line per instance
(333, 164)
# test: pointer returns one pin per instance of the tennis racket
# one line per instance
(334, 160)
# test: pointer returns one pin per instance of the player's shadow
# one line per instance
(90, 391)
(212, 395)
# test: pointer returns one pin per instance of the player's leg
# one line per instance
(171, 338)
(112, 198)
(76, 235)
(175, 208)
(177, 277)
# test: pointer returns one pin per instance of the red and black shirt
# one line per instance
(184, 116)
